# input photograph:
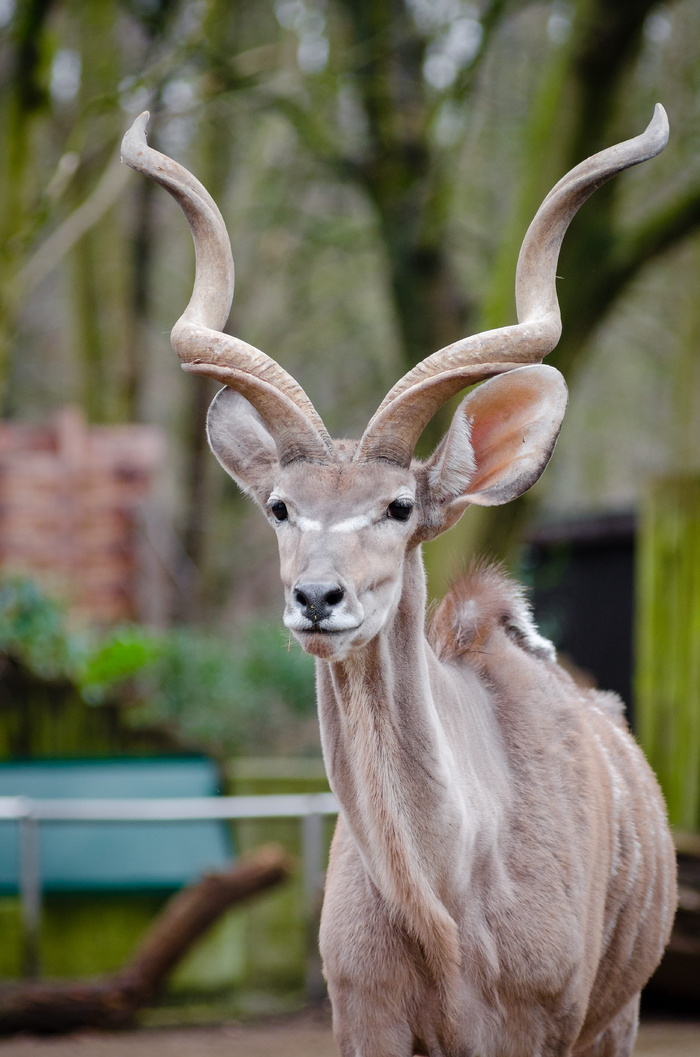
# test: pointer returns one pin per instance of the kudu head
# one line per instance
(346, 512)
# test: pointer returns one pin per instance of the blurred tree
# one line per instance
(216, 136)
(24, 100)
(97, 262)
(378, 160)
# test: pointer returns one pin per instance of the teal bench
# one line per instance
(115, 856)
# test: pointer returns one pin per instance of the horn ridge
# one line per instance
(294, 435)
(559, 207)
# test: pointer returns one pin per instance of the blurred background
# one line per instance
(377, 163)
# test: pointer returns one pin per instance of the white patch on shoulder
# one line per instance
(530, 638)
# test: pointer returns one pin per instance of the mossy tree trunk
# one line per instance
(400, 172)
(99, 269)
(668, 643)
(24, 99)
(215, 148)
(601, 254)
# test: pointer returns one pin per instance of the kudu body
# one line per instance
(502, 878)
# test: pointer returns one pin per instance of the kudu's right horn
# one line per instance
(393, 431)
(406, 410)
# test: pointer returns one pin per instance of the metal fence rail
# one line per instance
(30, 814)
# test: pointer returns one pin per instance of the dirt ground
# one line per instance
(305, 1035)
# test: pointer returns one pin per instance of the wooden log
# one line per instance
(113, 1001)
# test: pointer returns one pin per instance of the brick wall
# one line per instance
(71, 497)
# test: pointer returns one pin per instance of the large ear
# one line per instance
(242, 444)
(501, 438)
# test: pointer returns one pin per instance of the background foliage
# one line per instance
(193, 688)
(377, 162)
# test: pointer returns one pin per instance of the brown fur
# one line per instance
(501, 880)
(571, 896)
(484, 600)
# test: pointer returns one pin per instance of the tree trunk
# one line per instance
(215, 146)
(25, 98)
(402, 174)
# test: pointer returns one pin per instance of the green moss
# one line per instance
(88, 934)
(68, 693)
(217, 961)
(11, 933)
(81, 935)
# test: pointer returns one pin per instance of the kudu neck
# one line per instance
(384, 714)
(379, 709)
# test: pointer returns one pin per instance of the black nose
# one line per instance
(317, 601)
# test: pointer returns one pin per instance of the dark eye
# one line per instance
(279, 510)
(400, 509)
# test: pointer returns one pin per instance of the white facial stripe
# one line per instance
(306, 524)
(352, 524)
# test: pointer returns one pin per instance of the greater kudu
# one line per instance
(502, 878)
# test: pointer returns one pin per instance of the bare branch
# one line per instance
(492, 18)
(314, 134)
(53, 249)
(658, 233)
(655, 235)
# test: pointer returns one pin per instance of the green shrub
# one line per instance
(33, 630)
(240, 697)
(252, 695)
